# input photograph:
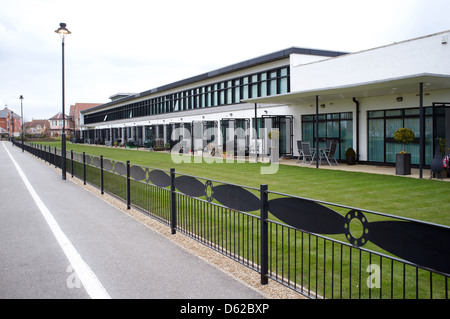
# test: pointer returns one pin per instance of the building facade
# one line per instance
(56, 125)
(37, 127)
(72, 125)
(10, 123)
(357, 99)
(74, 118)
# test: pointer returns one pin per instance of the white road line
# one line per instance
(89, 280)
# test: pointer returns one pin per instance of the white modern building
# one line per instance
(357, 99)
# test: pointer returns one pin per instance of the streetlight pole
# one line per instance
(63, 32)
(21, 112)
(12, 127)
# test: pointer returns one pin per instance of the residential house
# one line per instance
(37, 127)
(72, 124)
(10, 123)
(75, 127)
(56, 125)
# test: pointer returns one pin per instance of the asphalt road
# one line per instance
(57, 240)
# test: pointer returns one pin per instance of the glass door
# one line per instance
(284, 125)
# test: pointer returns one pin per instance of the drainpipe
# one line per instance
(357, 128)
(422, 132)
(317, 132)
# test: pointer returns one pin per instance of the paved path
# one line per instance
(50, 227)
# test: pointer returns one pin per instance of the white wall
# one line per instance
(417, 56)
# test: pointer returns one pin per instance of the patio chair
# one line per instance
(300, 152)
(329, 153)
(306, 150)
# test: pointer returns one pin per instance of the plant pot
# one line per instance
(351, 160)
(403, 164)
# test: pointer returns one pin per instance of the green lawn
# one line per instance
(421, 199)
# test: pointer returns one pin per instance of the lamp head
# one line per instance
(62, 31)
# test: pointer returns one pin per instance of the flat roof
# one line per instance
(278, 55)
(389, 86)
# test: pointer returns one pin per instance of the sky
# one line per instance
(137, 45)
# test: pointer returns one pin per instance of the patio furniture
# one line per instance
(300, 151)
(307, 152)
(329, 153)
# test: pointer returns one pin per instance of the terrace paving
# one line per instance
(365, 168)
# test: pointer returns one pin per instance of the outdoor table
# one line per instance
(322, 150)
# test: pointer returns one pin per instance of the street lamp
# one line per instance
(12, 127)
(63, 32)
(21, 112)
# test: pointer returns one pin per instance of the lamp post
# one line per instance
(21, 112)
(12, 127)
(63, 32)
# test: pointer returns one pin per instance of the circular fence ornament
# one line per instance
(356, 238)
(209, 191)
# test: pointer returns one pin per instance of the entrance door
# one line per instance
(441, 126)
(235, 134)
(284, 124)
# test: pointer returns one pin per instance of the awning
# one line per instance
(392, 86)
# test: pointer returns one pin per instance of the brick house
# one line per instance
(72, 124)
(10, 123)
(37, 127)
(75, 124)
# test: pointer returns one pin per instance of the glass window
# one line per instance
(376, 140)
(393, 113)
(375, 114)
(382, 126)
(254, 86)
(334, 126)
(215, 96)
(229, 96)
(245, 88)
(273, 83)
(263, 84)
(237, 91)
(283, 84)
(223, 93)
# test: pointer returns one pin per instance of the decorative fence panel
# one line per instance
(319, 249)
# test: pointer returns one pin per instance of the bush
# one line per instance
(350, 152)
(404, 136)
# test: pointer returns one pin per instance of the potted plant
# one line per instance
(350, 156)
(403, 160)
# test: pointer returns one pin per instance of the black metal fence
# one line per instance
(319, 249)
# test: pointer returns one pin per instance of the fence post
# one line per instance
(101, 174)
(55, 158)
(264, 235)
(84, 168)
(173, 204)
(128, 186)
(71, 162)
